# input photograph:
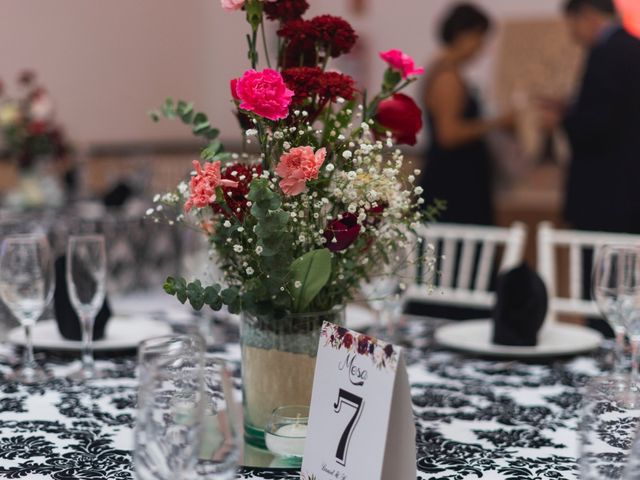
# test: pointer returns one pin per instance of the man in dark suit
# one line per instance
(603, 123)
(603, 126)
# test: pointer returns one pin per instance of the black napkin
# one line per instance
(118, 195)
(68, 321)
(521, 307)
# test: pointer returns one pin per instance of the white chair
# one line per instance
(477, 250)
(549, 242)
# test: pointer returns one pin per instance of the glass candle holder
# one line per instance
(286, 431)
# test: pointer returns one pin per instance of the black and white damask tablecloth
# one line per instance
(475, 418)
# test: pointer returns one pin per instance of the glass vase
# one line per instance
(278, 364)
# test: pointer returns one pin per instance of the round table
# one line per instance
(475, 418)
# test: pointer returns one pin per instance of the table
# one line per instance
(475, 418)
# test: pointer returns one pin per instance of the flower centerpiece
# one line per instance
(329, 201)
(33, 140)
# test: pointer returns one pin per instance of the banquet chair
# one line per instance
(578, 243)
(467, 257)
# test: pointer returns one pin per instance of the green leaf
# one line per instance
(391, 78)
(312, 270)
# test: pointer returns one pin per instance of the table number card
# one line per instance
(361, 420)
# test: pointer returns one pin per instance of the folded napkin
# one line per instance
(520, 308)
(66, 317)
(118, 195)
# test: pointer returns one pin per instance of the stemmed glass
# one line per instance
(383, 292)
(616, 288)
(26, 287)
(86, 272)
(171, 404)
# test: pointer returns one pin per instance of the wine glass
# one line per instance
(615, 284)
(383, 292)
(26, 287)
(171, 404)
(86, 272)
(219, 452)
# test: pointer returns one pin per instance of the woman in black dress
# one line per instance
(458, 168)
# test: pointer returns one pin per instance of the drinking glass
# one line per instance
(383, 292)
(86, 272)
(26, 287)
(607, 428)
(219, 452)
(616, 286)
(171, 404)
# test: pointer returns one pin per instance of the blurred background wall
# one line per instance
(107, 63)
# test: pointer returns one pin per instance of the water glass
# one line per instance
(26, 287)
(171, 404)
(86, 275)
(608, 426)
(220, 450)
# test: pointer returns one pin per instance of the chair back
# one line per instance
(550, 241)
(468, 256)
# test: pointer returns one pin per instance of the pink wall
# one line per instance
(108, 62)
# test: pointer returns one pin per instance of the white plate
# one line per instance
(359, 317)
(123, 333)
(474, 336)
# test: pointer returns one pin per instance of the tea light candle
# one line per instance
(287, 440)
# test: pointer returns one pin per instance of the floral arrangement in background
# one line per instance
(28, 127)
(330, 199)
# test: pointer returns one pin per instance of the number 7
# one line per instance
(356, 402)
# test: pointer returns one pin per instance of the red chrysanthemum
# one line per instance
(236, 197)
(335, 34)
(285, 10)
(300, 49)
(304, 81)
(334, 85)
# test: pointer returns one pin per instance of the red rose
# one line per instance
(342, 233)
(347, 340)
(363, 345)
(401, 116)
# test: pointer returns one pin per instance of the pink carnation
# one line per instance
(264, 93)
(204, 183)
(232, 5)
(398, 60)
(298, 166)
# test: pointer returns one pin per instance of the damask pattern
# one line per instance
(475, 418)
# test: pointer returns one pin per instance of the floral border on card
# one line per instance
(383, 355)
